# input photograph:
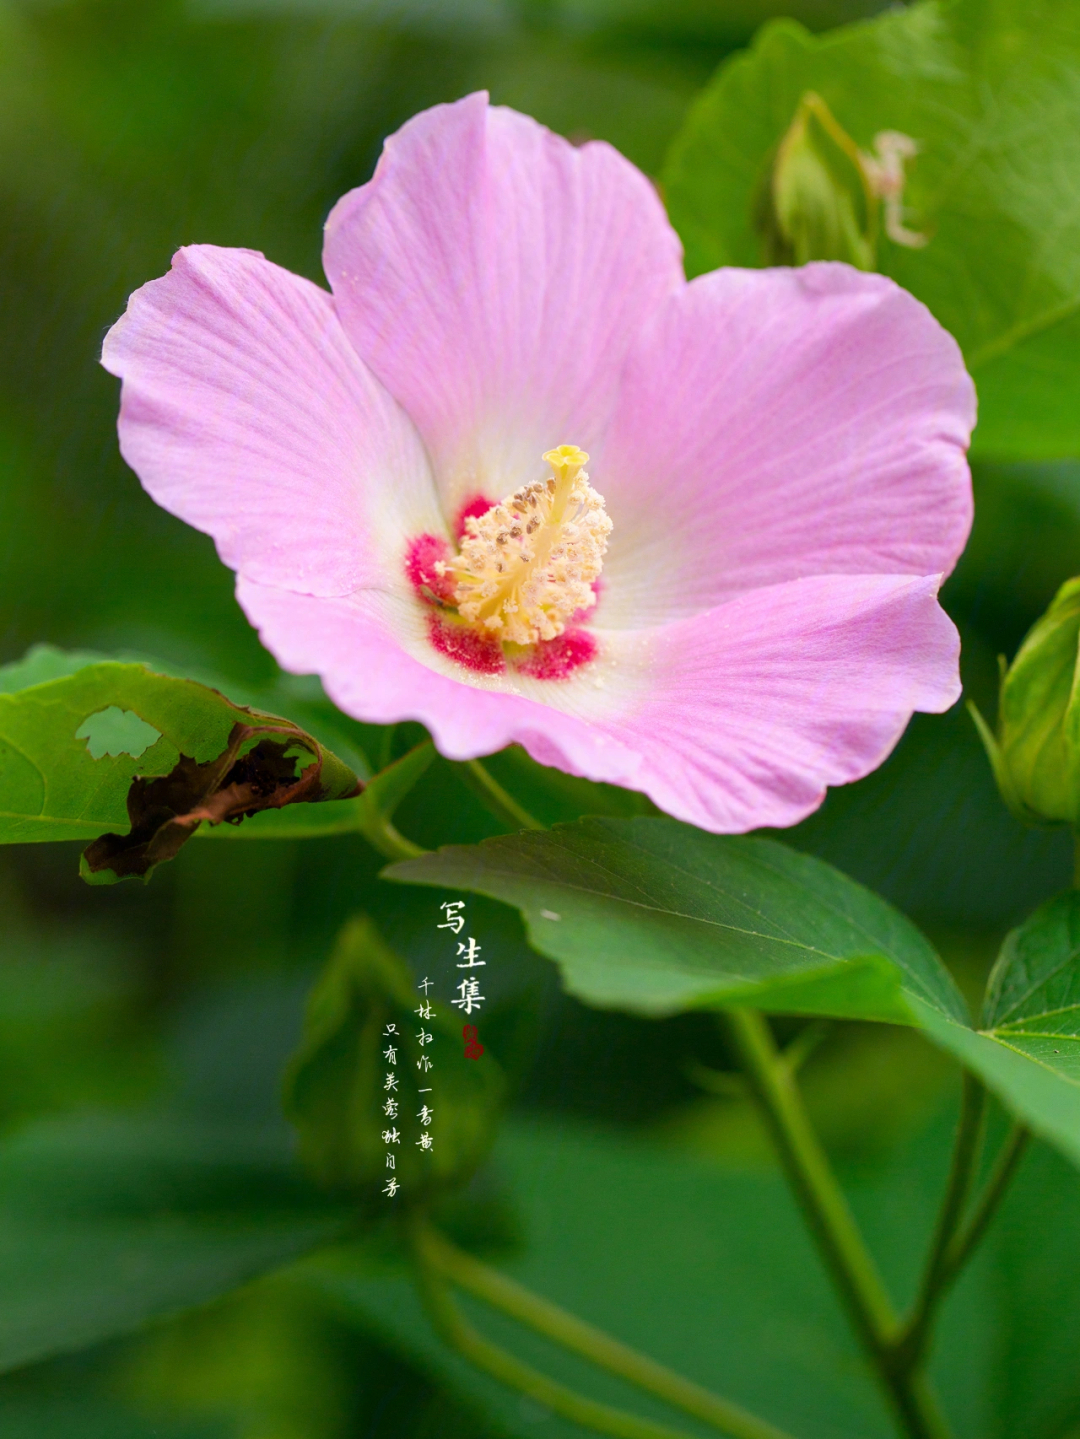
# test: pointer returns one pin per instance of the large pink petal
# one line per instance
(247, 412)
(493, 276)
(756, 706)
(776, 424)
(731, 720)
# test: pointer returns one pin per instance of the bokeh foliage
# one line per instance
(146, 1030)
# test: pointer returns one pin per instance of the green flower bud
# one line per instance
(817, 204)
(1036, 752)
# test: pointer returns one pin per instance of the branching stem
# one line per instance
(910, 1345)
(591, 1343)
(561, 1400)
(964, 1243)
(384, 836)
(831, 1222)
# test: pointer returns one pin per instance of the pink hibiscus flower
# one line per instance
(396, 472)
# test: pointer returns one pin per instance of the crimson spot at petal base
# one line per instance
(466, 646)
(472, 510)
(558, 658)
(420, 560)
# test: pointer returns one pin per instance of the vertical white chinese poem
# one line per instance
(425, 1065)
(390, 1136)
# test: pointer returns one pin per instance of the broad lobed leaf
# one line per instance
(733, 1295)
(1033, 1000)
(1028, 1048)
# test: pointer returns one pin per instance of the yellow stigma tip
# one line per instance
(566, 457)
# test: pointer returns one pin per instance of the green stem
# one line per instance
(385, 755)
(591, 1343)
(384, 836)
(382, 796)
(565, 1402)
(831, 1222)
(910, 1345)
(964, 1243)
(499, 801)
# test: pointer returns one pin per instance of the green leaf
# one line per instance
(364, 1009)
(1028, 1048)
(88, 1416)
(1034, 990)
(108, 1223)
(136, 761)
(990, 90)
(655, 917)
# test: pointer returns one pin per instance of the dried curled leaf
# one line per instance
(165, 812)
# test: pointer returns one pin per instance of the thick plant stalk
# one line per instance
(831, 1222)
(591, 1343)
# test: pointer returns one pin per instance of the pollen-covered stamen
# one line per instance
(529, 563)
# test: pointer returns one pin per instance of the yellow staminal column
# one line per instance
(529, 564)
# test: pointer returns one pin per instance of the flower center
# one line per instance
(528, 565)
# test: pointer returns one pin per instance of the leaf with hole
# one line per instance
(136, 761)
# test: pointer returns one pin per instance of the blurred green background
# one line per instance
(128, 128)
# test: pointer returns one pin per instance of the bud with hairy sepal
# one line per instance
(1036, 751)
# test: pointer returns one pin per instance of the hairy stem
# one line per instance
(591, 1343)
(497, 800)
(567, 1403)
(831, 1222)
(910, 1345)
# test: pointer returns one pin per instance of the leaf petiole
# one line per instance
(382, 796)
(965, 1242)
